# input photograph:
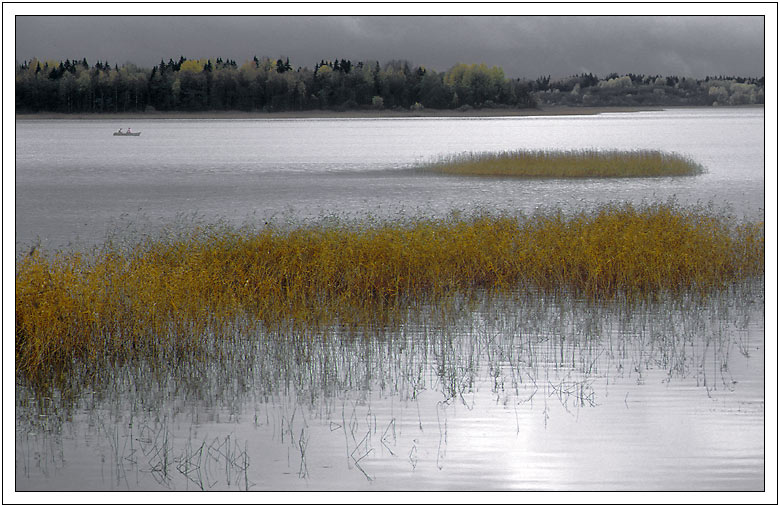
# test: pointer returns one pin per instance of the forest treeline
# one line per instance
(265, 84)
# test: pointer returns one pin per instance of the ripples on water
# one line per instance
(74, 179)
(529, 393)
(526, 393)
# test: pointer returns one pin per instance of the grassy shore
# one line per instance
(362, 113)
(566, 164)
(175, 293)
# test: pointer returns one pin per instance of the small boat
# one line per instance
(127, 133)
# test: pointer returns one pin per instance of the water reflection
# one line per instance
(529, 392)
(68, 193)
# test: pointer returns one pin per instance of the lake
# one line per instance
(520, 393)
(74, 180)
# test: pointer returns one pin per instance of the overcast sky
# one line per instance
(525, 46)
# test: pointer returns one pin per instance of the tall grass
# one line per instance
(163, 296)
(567, 164)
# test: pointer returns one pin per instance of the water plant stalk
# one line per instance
(167, 294)
(566, 164)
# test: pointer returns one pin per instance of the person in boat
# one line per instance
(119, 131)
(128, 130)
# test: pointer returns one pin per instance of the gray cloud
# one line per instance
(525, 46)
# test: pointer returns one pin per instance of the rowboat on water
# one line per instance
(120, 133)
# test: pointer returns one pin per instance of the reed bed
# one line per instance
(164, 298)
(544, 355)
(567, 164)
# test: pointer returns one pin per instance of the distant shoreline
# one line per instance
(367, 113)
(318, 113)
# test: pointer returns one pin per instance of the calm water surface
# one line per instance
(74, 180)
(529, 395)
(526, 395)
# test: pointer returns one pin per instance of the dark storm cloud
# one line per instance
(525, 46)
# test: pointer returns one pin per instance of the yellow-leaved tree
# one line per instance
(475, 83)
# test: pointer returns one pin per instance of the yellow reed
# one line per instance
(164, 296)
(566, 164)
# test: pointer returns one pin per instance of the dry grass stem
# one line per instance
(168, 294)
(567, 164)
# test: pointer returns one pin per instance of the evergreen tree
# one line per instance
(72, 86)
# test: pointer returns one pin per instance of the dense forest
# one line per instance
(265, 84)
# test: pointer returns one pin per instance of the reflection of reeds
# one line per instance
(566, 164)
(163, 297)
(563, 352)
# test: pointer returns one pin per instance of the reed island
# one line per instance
(567, 164)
